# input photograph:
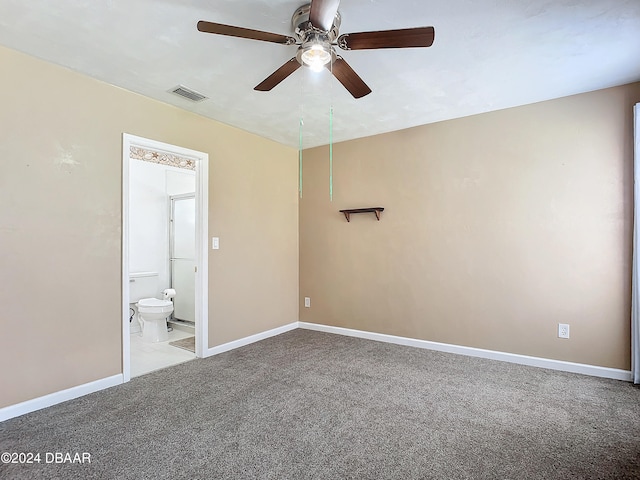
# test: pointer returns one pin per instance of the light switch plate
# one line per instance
(215, 243)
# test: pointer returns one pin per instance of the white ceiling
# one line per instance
(487, 55)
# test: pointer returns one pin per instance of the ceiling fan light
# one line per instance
(316, 57)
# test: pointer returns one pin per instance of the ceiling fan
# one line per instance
(316, 29)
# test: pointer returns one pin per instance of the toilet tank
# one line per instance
(143, 285)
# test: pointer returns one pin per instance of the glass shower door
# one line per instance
(183, 253)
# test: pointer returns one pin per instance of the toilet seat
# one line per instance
(154, 305)
(154, 302)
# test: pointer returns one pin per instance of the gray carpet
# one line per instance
(313, 405)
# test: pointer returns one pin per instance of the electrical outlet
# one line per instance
(563, 330)
(307, 302)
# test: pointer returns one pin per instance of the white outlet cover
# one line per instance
(215, 243)
(563, 330)
(307, 302)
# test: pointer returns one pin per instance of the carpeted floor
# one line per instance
(188, 343)
(314, 405)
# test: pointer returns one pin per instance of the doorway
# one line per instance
(138, 148)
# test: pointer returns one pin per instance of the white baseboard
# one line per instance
(584, 369)
(51, 399)
(225, 347)
(58, 397)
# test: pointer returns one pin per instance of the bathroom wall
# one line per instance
(180, 181)
(61, 216)
(150, 186)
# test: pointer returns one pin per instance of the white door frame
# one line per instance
(202, 234)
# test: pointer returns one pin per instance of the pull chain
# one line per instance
(300, 157)
(300, 125)
(331, 153)
(331, 135)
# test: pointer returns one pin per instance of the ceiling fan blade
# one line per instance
(231, 31)
(348, 78)
(403, 38)
(279, 75)
(322, 13)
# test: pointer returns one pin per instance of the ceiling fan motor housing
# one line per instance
(303, 28)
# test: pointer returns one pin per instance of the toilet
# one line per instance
(152, 312)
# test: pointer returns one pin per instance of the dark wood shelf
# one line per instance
(347, 212)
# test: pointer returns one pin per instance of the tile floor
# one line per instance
(147, 357)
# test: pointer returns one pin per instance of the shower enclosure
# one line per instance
(182, 248)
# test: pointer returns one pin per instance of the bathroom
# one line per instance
(162, 230)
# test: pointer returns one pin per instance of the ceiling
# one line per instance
(487, 55)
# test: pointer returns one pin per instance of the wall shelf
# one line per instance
(347, 212)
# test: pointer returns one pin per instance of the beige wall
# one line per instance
(496, 228)
(60, 224)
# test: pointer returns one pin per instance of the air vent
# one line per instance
(188, 93)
